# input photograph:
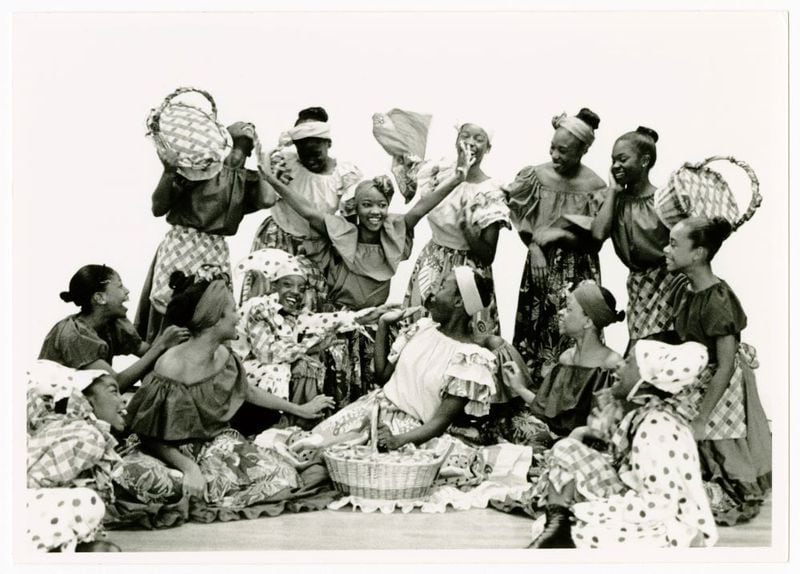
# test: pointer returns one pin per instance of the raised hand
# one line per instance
(466, 159)
(395, 315)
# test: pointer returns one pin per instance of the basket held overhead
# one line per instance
(192, 135)
(697, 190)
(363, 471)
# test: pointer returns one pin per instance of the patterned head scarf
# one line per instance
(381, 183)
(271, 263)
(52, 379)
(591, 300)
(669, 367)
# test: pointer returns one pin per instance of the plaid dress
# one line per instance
(736, 449)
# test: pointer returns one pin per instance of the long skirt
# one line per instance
(57, 519)
(536, 335)
(182, 249)
(736, 449)
(270, 235)
(242, 481)
(350, 372)
(654, 499)
(433, 265)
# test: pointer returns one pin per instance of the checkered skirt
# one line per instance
(649, 300)
(185, 249)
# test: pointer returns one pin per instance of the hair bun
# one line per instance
(179, 281)
(314, 114)
(620, 315)
(591, 118)
(722, 227)
(645, 131)
(66, 296)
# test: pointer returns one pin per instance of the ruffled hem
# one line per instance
(478, 393)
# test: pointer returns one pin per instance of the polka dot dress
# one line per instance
(59, 518)
(665, 504)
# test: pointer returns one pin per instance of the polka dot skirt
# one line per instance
(59, 518)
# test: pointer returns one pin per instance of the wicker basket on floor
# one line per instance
(363, 471)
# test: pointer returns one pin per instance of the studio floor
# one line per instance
(348, 530)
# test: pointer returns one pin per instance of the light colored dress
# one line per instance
(477, 205)
(646, 491)
(284, 228)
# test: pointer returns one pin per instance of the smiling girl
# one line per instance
(733, 435)
(101, 330)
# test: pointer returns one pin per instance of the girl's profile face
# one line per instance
(680, 252)
(626, 375)
(107, 404)
(115, 295)
(571, 319)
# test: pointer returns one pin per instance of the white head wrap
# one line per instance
(484, 126)
(465, 278)
(271, 263)
(310, 130)
(669, 367)
(576, 126)
(55, 380)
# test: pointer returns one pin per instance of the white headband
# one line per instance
(310, 130)
(465, 278)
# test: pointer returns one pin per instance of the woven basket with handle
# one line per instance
(363, 471)
(196, 139)
(697, 190)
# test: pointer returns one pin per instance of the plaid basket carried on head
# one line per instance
(194, 136)
(697, 190)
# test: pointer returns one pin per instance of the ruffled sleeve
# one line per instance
(72, 345)
(487, 206)
(470, 375)
(722, 313)
(522, 198)
(406, 334)
(171, 411)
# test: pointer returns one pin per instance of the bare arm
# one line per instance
(484, 244)
(171, 336)
(726, 354)
(428, 202)
(165, 193)
(383, 368)
(310, 410)
(447, 412)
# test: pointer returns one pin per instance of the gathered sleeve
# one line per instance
(522, 197)
(470, 375)
(722, 314)
(73, 346)
(124, 338)
(487, 206)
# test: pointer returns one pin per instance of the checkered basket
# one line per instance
(697, 190)
(194, 136)
(363, 471)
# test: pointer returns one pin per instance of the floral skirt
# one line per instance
(269, 235)
(350, 373)
(433, 265)
(536, 335)
(242, 481)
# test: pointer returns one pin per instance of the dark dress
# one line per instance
(73, 343)
(565, 398)
(736, 448)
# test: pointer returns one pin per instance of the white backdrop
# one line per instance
(83, 171)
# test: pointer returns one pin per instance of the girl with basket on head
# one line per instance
(359, 260)
(101, 330)
(323, 181)
(183, 410)
(629, 216)
(204, 198)
(733, 436)
(465, 227)
(551, 205)
(631, 477)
